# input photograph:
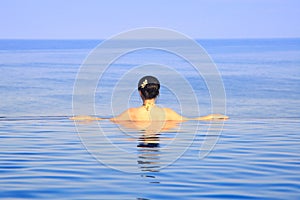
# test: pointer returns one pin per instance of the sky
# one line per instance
(96, 19)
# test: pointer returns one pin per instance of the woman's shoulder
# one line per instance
(169, 111)
(125, 116)
(173, 115)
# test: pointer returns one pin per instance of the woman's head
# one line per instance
(149, 87)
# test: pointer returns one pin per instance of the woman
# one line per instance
(148, 87)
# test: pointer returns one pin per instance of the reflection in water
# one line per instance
(148, 155)
(148, 147)
(149, 140)
(148, 151)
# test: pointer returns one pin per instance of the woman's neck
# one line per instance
(148, 103)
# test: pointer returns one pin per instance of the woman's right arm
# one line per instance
(174, 116)
(211, 117)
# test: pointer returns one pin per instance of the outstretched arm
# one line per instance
(211, 117)
(174, 116)
(125, 116)
(84, 118)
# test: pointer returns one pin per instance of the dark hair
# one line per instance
(150, 90)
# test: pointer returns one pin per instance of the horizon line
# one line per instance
(229, 38)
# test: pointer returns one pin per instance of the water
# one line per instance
(256, 156)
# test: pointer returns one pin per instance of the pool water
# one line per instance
(253, 155)
(254, 158)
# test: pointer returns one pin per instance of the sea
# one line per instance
(255, 154)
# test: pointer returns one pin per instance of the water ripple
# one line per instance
(46, 159)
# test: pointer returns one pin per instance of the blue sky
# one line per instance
(96, 19)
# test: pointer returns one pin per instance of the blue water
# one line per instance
(256, 156)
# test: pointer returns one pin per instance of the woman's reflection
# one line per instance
(149, 154)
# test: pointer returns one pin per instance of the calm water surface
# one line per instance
(256, 157)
